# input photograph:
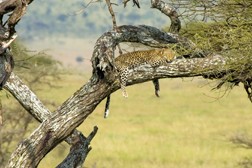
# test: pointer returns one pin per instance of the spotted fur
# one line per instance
(128, 61)
(154, 57)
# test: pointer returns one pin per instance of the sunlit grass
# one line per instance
(183, 128)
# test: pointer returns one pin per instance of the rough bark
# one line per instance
(7, 35)
(6, 66)
(35, 107)
(79, 151)
(103, 55)
(170, 12)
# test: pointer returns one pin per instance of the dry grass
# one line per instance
(183, 128)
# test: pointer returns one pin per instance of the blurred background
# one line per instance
(69, 31)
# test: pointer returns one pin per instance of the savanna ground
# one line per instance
(183, 128)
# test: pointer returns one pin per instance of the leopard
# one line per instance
(128, 61)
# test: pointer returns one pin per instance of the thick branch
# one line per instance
(26, 98)
(103, 55)
(35, 107)
(18, 8)
(6, 66)
(10, 5)
(58, 126)
(78, 152)
(170, 12)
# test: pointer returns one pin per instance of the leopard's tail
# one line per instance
(157, 87)
(106, 113)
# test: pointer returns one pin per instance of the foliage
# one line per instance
(222, 27)
(34, 68)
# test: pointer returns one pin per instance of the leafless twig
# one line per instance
(135, 2)
(82, 9)
(114, 21)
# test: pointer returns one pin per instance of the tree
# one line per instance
(60, 125)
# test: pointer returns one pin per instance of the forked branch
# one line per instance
(35, 107)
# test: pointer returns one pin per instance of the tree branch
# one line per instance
(103, 55)
(135, 2)
(79, 151)
(18, 8)
(6, 66)
(114, 21)
(170, 12)
(35, 107)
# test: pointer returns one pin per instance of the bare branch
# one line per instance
(135, 2)
(83, 8)
(35, 107)
(125, 2)
(170, 12)
(114, 21)
(79, 151)
(7, 36)
(10, 5)
(112, 13)
(19, 9)
(16, 15)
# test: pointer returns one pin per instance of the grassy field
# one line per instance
(186, 127)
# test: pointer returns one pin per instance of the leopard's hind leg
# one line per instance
(123, 79)
(155, 62)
